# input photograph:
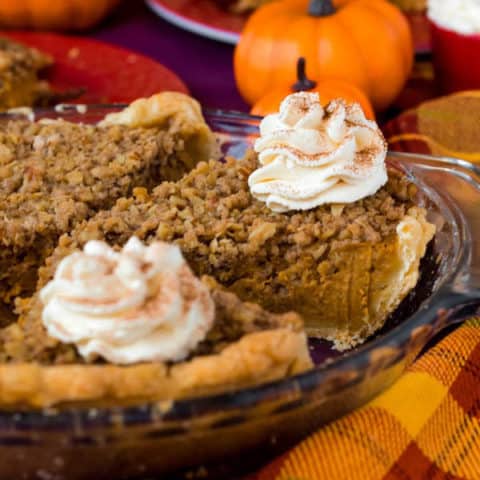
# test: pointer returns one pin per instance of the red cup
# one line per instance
(456, 58)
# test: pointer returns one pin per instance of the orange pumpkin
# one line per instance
(54, 14)
(327, 88)
(366, 42)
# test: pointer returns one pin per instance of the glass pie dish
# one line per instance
(215, 436)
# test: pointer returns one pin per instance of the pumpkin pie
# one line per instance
(343, 266)
(311, 220)
(21, 78)
(56, 174)
(19, 74)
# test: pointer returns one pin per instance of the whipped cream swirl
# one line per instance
(311, 156)
(142, 304)
(462, 16)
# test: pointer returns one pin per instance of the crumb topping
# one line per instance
(54, 175)
(227, 234)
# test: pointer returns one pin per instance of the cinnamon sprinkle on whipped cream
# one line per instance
(141, 304)
(310, 155)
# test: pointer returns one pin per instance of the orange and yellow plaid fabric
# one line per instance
(427, 426)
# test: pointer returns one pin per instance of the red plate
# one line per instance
(108, 73)
(208, 19)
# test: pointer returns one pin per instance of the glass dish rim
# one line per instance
(244, 397)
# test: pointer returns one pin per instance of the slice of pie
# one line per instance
(19, 74)
(136, 325)
(21, 78)
(55, 174)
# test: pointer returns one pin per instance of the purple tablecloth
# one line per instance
(204, 65)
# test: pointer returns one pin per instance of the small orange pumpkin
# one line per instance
(365, 42)
(327, 88)
(54, 14)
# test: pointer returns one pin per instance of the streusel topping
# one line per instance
(224, 232)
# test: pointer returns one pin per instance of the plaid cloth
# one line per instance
(445, 126)
(427, 426)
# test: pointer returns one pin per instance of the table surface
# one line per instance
(203, 64)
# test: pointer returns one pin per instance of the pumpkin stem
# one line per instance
(321, 8)
(303, 82)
